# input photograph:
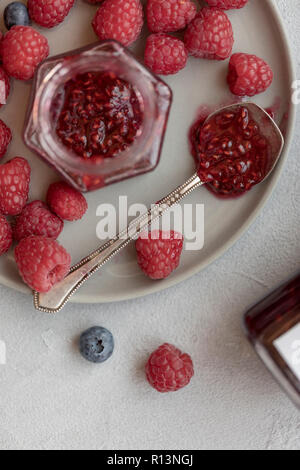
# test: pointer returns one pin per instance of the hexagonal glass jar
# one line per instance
(40, 126)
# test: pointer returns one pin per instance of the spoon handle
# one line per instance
(54, 300)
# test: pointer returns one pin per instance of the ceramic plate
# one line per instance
(258, 29)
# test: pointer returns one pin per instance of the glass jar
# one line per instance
(40, 127)
(273, 327)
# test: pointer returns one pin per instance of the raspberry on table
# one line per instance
(66, 202)
(4, 86)
(49, 13)
(14, 186)
(168, 369)
(121, 20)
(159, 252)
(42, 262)
(166, 16)
(37, 219)
(165, 54)
(227, 4)
(6, 238)
(248, 75)
(22, 50)
(210, 35)
(5, 138)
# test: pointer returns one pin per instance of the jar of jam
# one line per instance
(97, 115)
(273, 327)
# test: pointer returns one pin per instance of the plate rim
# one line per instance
(81, 298)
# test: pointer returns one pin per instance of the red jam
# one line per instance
(101, 115)
(231, 151)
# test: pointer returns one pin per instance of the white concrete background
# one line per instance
(51, 399)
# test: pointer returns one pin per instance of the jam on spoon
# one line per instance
(101, 115)
(233, 155)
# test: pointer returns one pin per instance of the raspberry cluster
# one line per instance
(207, 34)
(35, 226)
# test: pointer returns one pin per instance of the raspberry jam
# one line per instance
(273, 327)
(232, 153)
(101, 115)
(97, 116)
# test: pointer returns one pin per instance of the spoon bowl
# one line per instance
(268, 128)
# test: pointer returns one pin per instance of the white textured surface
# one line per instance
(51, 399)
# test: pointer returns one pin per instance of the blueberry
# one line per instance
(16, 13)
(97, 344)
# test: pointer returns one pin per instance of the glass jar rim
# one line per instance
(61, 73)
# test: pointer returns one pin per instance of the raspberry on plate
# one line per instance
(5, 235)
(42, 262)
(4, 86)
(5, 138)
(168, 369)
(37, 219)
(166, 16)
(159, 253)
(165, 54)
(121, 20)
(22, 50)
(248, 75)
(210, 35)
(66, 202)
(227, 4)
(14, 186)
(49, 13)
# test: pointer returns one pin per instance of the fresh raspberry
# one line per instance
(22, 50)
(165, 54)
(166, 16)
(49, 13)
(5, 235)
(4, 86)
(121, 20)
(168, 369)
(5, 138)
(227, 4)
(248, 75)
(159, 253)
(210, 35)
(42, 262)
(37, 219)
(93, 2)
(66, 202)
(14, 186)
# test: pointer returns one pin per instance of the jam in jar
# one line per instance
(97, 115)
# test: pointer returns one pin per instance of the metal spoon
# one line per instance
(61, 293)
